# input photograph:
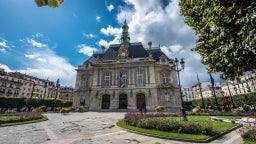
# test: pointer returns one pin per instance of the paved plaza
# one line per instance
(86, 128)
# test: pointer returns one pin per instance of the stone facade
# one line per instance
(16, 84)
(127, 76)
(246, 84)
(66, 93)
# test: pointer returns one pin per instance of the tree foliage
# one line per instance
(226, 34)
(50, 3)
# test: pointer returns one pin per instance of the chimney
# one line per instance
(103, 49)
(149, 45)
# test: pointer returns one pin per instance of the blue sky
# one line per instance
(51, 42)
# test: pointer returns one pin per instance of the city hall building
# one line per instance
(127, 77)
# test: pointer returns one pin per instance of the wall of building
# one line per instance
(16, 84)
(153, 89)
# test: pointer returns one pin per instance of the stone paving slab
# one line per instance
(87, 128)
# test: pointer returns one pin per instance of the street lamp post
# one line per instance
(177, 69)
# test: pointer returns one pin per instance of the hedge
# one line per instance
(239, 100)
(19, 102)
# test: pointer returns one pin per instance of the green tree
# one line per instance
(226, 34)
(50, 3)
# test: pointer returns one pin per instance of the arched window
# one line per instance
(85, 83)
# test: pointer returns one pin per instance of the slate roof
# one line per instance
(136, 50)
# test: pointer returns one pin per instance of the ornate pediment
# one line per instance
(163, 59)
(123, 52)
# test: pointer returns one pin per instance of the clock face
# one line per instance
(122, 54)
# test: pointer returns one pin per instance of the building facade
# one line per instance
(246, 84)
(127, 76)
(188, 93)
(66, 93)
(16, 84)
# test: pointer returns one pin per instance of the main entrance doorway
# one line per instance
(122, 101)
(141, 101)
(105, 101)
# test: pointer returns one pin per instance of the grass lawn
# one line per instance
(15, 120)
(231, 117)
(248, 142)
(218, 126)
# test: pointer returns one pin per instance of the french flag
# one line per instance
(34, 83)
(122, 85)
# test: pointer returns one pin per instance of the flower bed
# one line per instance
(15, 118)
(173, 123)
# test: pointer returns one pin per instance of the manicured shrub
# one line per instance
(132, 118)
(65, 110)
(56, 109)
(48, 109)
(37, 110)
(169, 124)
(23, 109)
(10, 111)
(81, 109)
(159, 108)
(20, 117)
(43, 108)
(19, 102)
(250, 135)
(242, 100)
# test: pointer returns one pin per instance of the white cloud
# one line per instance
(3, 44)
(35, 43)
(32, 56)
(110, 31)
(110, 7)
(98, 18)
(86, 50)
(42, 60)
(103, 43)
(89, 35)
(45, 63)
(5, 67)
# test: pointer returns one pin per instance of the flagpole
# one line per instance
(230, 95)
(32, 92)
(45, 85)
(34, 84)
(44, 92)
(57, 86)
(214, 94)
(56, 93)
(200, 88)
(52, 92)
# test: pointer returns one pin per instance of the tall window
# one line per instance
(107, 78)
(86, 83)
(123, 78)
(165, 78)
(167, 97)
(140, 77)
(82, 100)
